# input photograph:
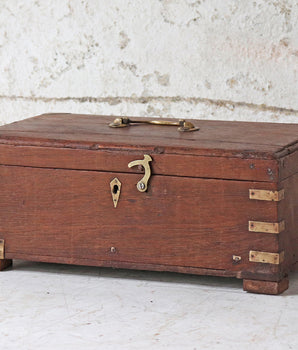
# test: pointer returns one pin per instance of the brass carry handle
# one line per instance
(182, 124)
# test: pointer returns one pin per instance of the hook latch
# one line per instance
(142, 185)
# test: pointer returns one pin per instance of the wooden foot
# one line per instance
(266, 287)
(5, 263)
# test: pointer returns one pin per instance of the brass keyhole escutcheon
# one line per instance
(142, 185)
(115, 185)
(115, 189)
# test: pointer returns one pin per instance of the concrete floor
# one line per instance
(52, 307)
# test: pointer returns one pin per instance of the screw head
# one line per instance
(270, 172)
(113, 250)
(236, 258)
(141, 186)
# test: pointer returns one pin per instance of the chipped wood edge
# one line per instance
(266, 258)
(266, 227)
(264, 195)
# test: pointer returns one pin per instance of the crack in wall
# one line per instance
(147, 99)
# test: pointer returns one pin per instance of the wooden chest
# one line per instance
(221, 200)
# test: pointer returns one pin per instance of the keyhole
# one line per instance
(115, 189)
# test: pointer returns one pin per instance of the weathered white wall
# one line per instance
(215, 59)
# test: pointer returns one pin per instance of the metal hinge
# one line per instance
(1, 249)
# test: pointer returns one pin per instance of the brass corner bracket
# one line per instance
(266, 227)
(266, 258)
(265, 195)
(1, 249)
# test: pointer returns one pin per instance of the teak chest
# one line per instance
(221, 200)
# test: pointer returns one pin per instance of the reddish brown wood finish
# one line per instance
(288, 165)
(70, 213)
(164, 164)
(288, 211)
(56, 204)
(266, 287)
(216, 138)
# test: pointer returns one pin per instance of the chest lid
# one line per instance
(219, 149)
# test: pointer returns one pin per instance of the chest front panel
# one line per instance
(179, 221)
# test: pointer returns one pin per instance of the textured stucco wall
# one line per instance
(212, 59)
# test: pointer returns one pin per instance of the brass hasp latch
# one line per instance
(182, 124)
(143, 183)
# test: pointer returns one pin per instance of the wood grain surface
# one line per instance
(187, 222)
(266, 287)
(288, 211)
(242, 139)
(56, 203)
(117, 160)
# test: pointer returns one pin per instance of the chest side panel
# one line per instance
(178, 221)
(288, 211)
